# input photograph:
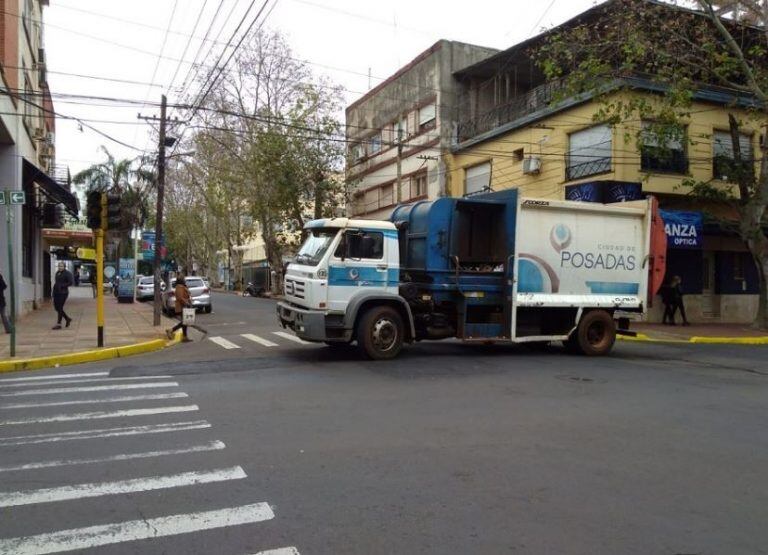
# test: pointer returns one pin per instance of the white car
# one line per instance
(199, 292)
(145, 288)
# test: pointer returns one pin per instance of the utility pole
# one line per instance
(100, 271)
(159, 214)
(398, 185)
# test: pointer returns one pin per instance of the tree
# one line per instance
(681, 51)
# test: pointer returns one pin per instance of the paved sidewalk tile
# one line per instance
(124, 324)
(661, 331)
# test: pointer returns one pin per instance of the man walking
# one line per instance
(6, 323)
(676, 295)
(62, 282)
(183, 300)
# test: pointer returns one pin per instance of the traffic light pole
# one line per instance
(159, 215)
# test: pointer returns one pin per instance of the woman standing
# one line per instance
(183, 300)
(62, 282)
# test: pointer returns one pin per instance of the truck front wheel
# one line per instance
(380, 333)
(595, 333)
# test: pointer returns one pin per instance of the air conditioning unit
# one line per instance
(532, 165)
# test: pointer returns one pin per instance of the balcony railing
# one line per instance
(590, 167)
(528, 103)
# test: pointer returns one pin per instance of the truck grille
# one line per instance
(294, 287)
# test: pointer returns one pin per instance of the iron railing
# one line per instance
(584, 169)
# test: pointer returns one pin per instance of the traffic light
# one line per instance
(93, 210)
(113, 217)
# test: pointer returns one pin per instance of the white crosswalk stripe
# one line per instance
(99, 415)
(54, 500)
(259, 340)
(58, 390)
(220, 341)
(291, 337)
(119, 532)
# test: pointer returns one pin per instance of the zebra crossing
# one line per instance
(268, 341)
(48, 425)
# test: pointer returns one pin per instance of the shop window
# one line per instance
(724, 167)
(477, 178)
(663, 148)
(589, 152)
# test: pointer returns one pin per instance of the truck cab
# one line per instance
(343, 266)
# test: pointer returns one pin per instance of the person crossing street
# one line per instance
(183, 300)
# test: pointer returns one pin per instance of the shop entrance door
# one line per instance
(709, 302)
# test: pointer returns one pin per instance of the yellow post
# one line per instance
(100, 272)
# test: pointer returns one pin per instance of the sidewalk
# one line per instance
(701, 333)
(124, 324)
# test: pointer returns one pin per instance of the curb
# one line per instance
(758, 340)
(18, 365)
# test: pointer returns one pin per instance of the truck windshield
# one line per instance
(315, 246)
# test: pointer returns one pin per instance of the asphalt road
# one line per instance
(448, 449)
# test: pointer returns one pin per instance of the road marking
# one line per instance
(123, 399)
(106, 432)
(221, 342)
(90, 380)
(210, 446)
(99, 415)
(99, 489)
(78, 539)
(290, 337)
(89, 388)
(280, 551)
(259, 340)
(54, 377)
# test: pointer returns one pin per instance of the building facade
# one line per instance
(515, 129)
(27, 153)
(407, 121)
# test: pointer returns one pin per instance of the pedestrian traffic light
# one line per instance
(113, 217)
(93, 210)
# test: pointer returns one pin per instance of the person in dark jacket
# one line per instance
(62, 282)
(6, 323)
(676, 296)
(666, 299)
(183, 300)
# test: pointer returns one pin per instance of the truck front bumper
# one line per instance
(311, 325)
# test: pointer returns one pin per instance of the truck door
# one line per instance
(362, 259)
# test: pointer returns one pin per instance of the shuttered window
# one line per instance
(723, 164)
(477, 178)
(589, 152)
(427, 117)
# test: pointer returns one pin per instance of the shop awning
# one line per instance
(52, 189)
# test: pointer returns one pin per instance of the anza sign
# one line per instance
(684, 229)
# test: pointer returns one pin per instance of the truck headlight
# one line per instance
(322, 274)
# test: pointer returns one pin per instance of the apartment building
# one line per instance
(407, 121)
(27, 152)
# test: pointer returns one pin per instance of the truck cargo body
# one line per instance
(488, 268)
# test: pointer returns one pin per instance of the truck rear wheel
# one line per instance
(380, 333)
(595, 334)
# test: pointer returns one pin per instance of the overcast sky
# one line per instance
(342, 39)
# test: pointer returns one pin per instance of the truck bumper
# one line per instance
(311, 325)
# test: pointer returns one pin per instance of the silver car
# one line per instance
(145, 288)
(199, 292)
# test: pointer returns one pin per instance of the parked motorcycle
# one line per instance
(253, 290)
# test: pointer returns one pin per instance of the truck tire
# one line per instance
(380, 333)
(595, 334)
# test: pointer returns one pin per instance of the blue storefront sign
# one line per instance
(684, 229)
(605, 191)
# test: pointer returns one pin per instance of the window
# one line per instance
(357, 153)
(427, 117)
(477, 178)
(28, 108)
(28, 234)
(738, 266)
(315, 245)
(419, 185)
(663, 148)
(589, 152)
(387, 195)
(362, 244)
(374, 144)
(723, 165)
(518, 155)
(401, 129)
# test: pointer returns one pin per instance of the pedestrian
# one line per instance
(6, 323)
(183, 300)
(77, 277)
(666, 299)
(677, 300)
(62, 282)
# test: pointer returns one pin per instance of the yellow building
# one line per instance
(515, 129)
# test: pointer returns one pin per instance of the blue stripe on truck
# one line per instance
(617, 287)
(365, 276)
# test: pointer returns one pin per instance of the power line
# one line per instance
(189, 41)
(192, 68)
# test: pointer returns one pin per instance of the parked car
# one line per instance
(199, 292)
(145, 288)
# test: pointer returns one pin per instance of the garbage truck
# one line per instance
(496, 267)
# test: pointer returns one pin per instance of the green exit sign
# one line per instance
(17, 197)
(2, 197)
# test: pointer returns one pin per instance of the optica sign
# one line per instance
(684, 229)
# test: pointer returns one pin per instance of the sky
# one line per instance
(146, 48)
